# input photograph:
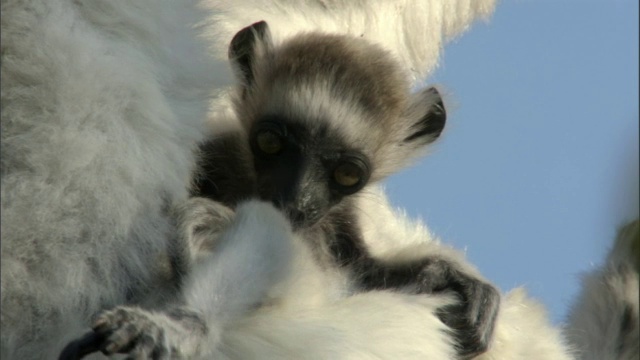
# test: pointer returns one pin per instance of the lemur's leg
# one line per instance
(250, 256)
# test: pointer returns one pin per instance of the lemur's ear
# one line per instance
(246, 46)
(426, 116)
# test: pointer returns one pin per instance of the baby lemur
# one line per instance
(326, 115)
(323, 116)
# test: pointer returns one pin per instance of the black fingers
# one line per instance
(472, 319)
(89, 343)
(123, 330)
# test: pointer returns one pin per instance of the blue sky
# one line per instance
(539, 161)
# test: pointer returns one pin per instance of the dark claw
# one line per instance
(89, 343)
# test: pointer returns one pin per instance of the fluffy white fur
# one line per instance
(522, 328)
(100, 111)
(413, 30)
(311, 311)
(603, 323)
(383, 325)
(315, 317)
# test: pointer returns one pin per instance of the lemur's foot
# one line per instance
(139, 334)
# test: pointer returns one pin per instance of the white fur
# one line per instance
(253, 254)
(609, 298)
(413, 30)
(100, 111)
(313, 314)
(523, 330)
(384, 325)
(307, 311)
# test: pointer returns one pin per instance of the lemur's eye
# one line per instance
(269, 137)
(350, 175)
(269, 142)
(347, 174)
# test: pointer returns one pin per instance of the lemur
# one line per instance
(324, 116)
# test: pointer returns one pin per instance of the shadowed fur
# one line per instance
(99, 121)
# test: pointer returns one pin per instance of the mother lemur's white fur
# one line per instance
(604, 322)
(413, 30)
(311, 313)
(102, 103)
(523, 330)
(311, 317)
(101, 108)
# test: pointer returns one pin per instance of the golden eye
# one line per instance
(269, 142)
(347, 174)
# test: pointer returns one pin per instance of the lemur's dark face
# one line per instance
(305, 171)
(325, 115)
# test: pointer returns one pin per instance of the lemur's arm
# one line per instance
(472, 318)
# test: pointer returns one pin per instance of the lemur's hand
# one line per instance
(140, 334)
(200, 222)
(473, 317)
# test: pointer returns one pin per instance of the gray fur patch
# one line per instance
(353, 67)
